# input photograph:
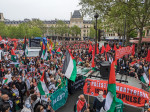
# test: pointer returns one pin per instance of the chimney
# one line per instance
(71, 14)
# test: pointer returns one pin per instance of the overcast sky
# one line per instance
(42, 9)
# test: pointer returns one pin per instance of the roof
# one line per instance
(45, 22)
(76, 14)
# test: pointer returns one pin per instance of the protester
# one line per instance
(81, 104)
(20, 79)
(99, 102)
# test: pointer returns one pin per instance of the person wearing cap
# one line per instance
(99, 102)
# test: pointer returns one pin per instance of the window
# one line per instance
(87, 26)
(84, 30)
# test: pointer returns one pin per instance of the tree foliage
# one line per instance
(115, 12)
(28, 29)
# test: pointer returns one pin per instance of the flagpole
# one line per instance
(96, 16)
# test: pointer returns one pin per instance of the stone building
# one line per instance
(75, 19)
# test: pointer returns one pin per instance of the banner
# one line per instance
(128, 94)
(59, 98)
(123, 51)
(78, 84)
(34, 43)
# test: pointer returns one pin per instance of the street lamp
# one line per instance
(96, 16)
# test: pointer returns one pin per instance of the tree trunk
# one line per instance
(140, 40)
(127, 39)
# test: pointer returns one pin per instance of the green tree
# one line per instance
(60, 28)
(75, 30)
(136, 12)
(92, 32)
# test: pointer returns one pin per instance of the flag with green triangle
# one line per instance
(42, 86)
(5, 80)
(13, 56)
(58, 51)
(111, 98)
(43, 51)
(80, 61)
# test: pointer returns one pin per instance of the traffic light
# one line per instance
(100, 34)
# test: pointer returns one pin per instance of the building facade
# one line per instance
(147, 31)
(75, 19)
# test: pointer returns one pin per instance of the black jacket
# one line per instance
(97, 104)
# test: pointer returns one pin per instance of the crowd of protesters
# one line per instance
(21, 93)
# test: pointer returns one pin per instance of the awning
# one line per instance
(147, 40)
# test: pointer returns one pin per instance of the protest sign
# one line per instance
(59, 98)
(123, 51)
(128, 94)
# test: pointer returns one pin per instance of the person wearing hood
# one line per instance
(99, 102)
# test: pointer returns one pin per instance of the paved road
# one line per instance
(68, 107)
(72, 99)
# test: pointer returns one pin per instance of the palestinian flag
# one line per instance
(58, 51)
(42, 86)
(26, 51)
(80, 106)
(5, 80)
(144, 78)
(46, 54)
(13, 56)
(69, 67)
(50, 51)
(43, 51)
(80, 61)
(111, 99)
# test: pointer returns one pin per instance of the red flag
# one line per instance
(58, 50)
(15, 45)
(120, 47)
(93, 56)
(0, 38)
(133, 50)
(12, 52)
(90, 48)
(7, 47)
(97, 49)
(115, 48)
(108, 48)
(112, 76)
(148, 56)
(103, 49)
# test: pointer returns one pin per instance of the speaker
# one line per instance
(105, 69)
